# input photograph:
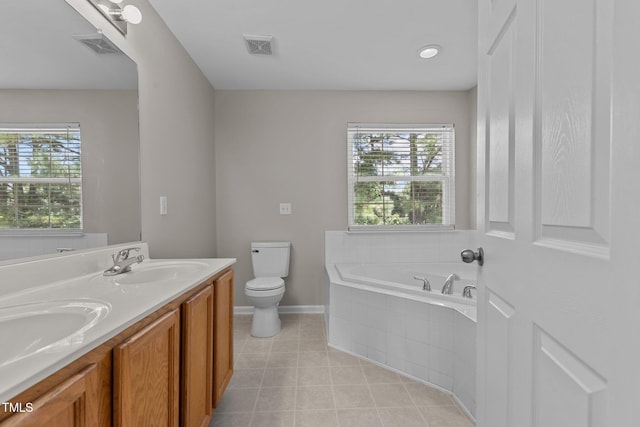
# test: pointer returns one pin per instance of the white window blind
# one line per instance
(40, 177)
(401, 176)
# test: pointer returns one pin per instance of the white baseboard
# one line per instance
(306, 309)
(243, 309)
(284, 309)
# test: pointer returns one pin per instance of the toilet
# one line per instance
(270, 262)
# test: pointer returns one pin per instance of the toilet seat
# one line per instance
(264, 295)
(264, 284)
(264, 287)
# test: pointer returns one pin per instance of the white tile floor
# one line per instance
(295, 379)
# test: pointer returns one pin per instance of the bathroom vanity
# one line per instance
(162, 354)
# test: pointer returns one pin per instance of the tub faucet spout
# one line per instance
(447, 289)
(426, 286)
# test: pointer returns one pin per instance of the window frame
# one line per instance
(447, 178)
(57, 127)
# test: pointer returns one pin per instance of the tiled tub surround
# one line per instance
(77, 276)
(420, 336)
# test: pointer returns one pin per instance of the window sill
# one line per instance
(400, 229)
(41, 233)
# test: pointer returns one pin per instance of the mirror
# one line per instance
(56, 69)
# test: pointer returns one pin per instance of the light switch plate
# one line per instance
(163, 205)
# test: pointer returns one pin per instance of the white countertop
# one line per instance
(128, 304)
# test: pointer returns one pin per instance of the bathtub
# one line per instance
(398, 279)
(380, 312)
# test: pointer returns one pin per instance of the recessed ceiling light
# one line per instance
(429, 51)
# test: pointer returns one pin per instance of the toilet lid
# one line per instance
(265, 283)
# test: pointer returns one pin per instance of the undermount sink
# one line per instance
(47, 326)
(153, 272)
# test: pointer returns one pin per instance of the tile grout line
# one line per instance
(333, 393)
(295, 393)
(424, 420)
(373, 399)
(253, 412)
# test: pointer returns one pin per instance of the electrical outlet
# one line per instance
(285, 208)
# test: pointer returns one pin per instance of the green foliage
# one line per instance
(407, 199)
(41, 174)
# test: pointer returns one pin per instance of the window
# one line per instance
(40, 177)
(401, 176)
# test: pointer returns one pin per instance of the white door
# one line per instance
(559, 213)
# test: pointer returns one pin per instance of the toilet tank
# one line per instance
(270, 259)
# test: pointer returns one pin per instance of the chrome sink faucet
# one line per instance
(447, 289)
(426, 286)
(122, 262)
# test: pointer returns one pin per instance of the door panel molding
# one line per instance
(499, 315)
(500, 131)
(567, 391)
(572, 93)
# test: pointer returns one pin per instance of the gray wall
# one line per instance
(177, 153)
(290, 146)
(109, 131)
(271, 147)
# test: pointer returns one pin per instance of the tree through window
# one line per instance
(40, 177)
(401, 175)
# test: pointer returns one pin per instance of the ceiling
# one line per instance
(38, 50)
(329, 44)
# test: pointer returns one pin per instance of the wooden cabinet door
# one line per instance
(146, 375)
(72, 403)
(223, 335)
(197, 358)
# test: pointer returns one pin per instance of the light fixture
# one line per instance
(429, 51)
(129, 13)
(118, 15)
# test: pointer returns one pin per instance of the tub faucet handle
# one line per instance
(426, 286)
(466, 292)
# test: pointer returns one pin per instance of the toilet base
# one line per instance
(266, 322)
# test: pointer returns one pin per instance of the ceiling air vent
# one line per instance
(259, 45)
(98, 43)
